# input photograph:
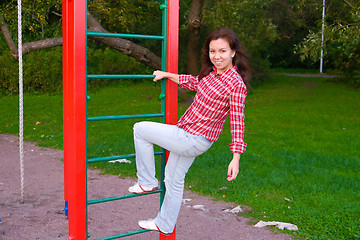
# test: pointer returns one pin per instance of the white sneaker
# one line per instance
(141, 189)
(150, 225)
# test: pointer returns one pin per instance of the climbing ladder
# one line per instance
(74, 108)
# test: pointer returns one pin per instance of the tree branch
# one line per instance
(352, 6)
(8, 38)
(42, 44)
(127, 47)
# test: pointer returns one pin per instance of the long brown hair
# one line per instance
(241, 60)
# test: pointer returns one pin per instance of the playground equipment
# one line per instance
(74, 107)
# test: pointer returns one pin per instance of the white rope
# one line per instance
(21, 131)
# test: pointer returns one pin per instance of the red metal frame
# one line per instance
(172, 60)
(65, 92)
(74, 106)
(74, 115)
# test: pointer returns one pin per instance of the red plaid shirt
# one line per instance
(218, 95)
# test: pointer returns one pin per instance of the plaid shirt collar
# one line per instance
(223, 75)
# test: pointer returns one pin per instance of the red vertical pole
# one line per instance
(172, 60)
(66, 141)
(74, 115)
(172, 66)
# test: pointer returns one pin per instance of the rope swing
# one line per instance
(21, 131)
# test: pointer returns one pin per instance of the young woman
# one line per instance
(220, 91)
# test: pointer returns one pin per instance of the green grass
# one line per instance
(301, 165)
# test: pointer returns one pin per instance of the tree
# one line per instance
(293, 20)
(40, 16)
(342, 38)
(127, 47)
(247, 19)
(194, 24)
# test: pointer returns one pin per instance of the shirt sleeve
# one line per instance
(237, 116)
(188, 82)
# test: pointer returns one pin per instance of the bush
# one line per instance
(351, 79)
(42, 69)
(42, 72)
(9, 74)
(109, 61)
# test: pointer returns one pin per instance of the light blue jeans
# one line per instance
(183, 147)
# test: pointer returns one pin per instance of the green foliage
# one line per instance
(42, 70)
(293, 20)
(9, 74)
(122, 16)
(246, 19)
(268, 28)
(341, 45)
(109, 61)
(40, 19)
(127, 16)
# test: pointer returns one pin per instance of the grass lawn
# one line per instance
(302, 164)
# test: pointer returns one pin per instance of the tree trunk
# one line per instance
(194, 24)
(5, 30)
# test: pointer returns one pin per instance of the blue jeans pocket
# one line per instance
(199, 146)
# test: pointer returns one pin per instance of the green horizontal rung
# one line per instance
(131, 195)
(118, 117)
(105, 159)
(119, 76)
(123, 35)
(123, 234)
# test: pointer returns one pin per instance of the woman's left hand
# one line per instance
(233, 168)
(160, 75)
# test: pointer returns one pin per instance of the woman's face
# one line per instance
(221, 54)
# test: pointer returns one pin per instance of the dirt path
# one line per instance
(310, 75)
(42, 216)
